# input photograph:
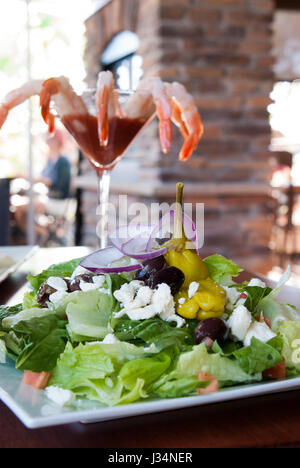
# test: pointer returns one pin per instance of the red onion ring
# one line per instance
(100, 261)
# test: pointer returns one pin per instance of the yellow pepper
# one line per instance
(188, 261)
(209, 301)
(192, 266)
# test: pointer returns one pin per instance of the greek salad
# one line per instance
(148, 319)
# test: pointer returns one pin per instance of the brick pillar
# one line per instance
(221, 51)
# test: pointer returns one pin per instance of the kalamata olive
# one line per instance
(44, 293)
(213, 328)
(172, 276)
(75, 284)
(150, 266)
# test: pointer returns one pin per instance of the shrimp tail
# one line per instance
(3, 115)
(49, 88)
(103, 123)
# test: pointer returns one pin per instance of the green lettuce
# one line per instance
(25, 315)
(37, 343)
(259, 356)
(222, 269)
(227, 371)
(92, 370)
(154, 331)
(290, 333)
(88, 313)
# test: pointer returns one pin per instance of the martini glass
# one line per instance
(123, 130)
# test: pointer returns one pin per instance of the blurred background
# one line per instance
(241, 61)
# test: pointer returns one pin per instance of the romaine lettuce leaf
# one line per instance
(92, 370)
(88, 313)
(290, 332)
(259, 356)
(180, 387)
(149, 369)
(154, 331)
(224, 369)
(44, 339)
(25, 315)
(222, 269)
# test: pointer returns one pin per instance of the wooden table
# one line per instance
(265, 421)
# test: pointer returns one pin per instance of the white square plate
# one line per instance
(33, 408)
(18, 254)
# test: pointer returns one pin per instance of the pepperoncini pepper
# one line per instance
(187, 260)
(210, 298)
(209, 301)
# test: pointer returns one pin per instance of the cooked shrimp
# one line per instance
(18, 96)
(164, 109)
(107, 100)
(64, 99)
(186, 116)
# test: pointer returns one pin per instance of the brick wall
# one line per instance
(221, 51)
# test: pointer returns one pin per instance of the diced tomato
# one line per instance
(243, 296)
(36, 379)
(260, 318)
(277, 372)
(211, 388)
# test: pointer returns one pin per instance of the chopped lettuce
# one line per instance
(222, 269)
(154, 331)
(290, 333)
(92, 370)
(88, 313)
(25, 315)
(259, 356)
(41, 340)
(226, 370)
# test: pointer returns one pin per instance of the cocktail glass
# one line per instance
(122, 133)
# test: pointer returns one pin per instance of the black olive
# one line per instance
(150, 266)
(213, 328)
(44, 293)
(75, 284)
(172, 276)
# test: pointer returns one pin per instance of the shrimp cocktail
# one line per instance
(104, 124)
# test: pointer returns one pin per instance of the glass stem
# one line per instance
(104, 186)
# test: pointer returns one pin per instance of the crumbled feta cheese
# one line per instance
(259, 330)
(193, 288)
(239, 322)
(182, 300)
(176, 318)
(57, 283)
(110, 339)
(60, 396)
(141, 313)
(257, 282)
(80, 271)
(85, 287)
(232, 297)
(99, 280)
(136, 284)
(163, 301)
(143, 303)
(56, 297)
(126, 294)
